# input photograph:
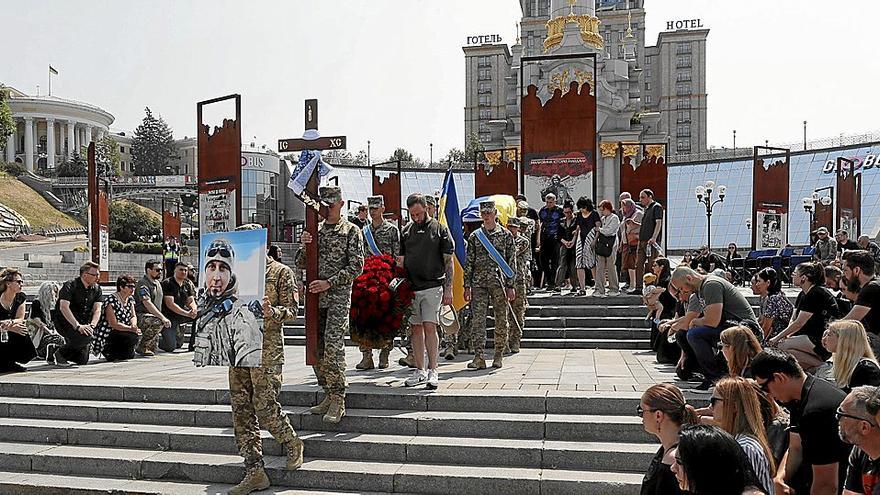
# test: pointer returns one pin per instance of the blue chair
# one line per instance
(806, 254)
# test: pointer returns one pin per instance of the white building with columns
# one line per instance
(49, 128)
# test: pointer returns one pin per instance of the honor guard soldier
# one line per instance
(523, 256)
(380, 237)
(489, 278)
(340, 261)
(253, 392)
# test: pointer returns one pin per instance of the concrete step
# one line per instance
(548, 332)
(584, 321)
(535, 426)
(530, 343)
(33, 483)
(90, 397)
(324, 474)
(550, 454)
(561, 311)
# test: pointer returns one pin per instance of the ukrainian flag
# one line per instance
(451, 217)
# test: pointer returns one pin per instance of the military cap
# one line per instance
(523, 205)
(513, 222)
(487, 206)
(430, 199)
(249, 226)
(330, 194)
(375, 201)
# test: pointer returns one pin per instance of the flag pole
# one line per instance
(50, 80)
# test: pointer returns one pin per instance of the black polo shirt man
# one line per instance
(77, 313)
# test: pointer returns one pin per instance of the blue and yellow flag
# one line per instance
(450, 216)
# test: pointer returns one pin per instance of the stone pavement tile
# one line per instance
(586, 387)
(476, 386)
(624, 388)
(616, 381)
(604, 388)
(566, 386)
(529, 386)
(548, 387)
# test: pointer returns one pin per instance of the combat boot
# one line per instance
(254, 479)
(383, 358)
(294, 454)
(321, 408)
(497, 359)
(514, 348)
(336, 411)
(409, 361)
(367, 362)
(478, 363)
(449, 352)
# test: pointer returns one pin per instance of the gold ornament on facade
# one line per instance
(560, 80)
(492, 157)
(630, 150)
(656, 150)
(608, 150)
(587, 24)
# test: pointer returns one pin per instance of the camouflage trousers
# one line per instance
(330, 370)
(253, 393)
(480, 300)
(519, 306)
(151, 328)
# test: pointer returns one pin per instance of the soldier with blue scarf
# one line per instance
(489, 276)
(380, 237)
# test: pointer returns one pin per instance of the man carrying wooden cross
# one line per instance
(340, 261)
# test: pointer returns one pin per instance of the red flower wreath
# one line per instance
(380, 304)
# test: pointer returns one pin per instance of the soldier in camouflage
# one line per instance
(519, 304)
(340, 261)
(483, 284)
(253, 392)
(386, 238)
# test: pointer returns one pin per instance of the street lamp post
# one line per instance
(704, 196)
(811, 202)
(805, 135)
(734, 140)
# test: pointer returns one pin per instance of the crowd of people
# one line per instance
(794, 386)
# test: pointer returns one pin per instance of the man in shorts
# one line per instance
(426, 251)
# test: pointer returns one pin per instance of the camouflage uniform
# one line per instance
(387, 240)
(523, 255)
(254, 391)
(150, 325)
(481, 276)
(340, 261)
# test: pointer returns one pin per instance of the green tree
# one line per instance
(472, 144)
(402, 155)
(107, 157)
(455, 155)
(361, 157)
(7, 125)
(75, 166)
(131, 222)
(153, 146)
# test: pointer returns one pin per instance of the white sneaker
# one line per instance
(433, 379)
(418, 377)
(613, 293)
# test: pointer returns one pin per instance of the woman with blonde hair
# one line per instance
(739, 345)
(854, 363)
(664, 411)
(736, 407)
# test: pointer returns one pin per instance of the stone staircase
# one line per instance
(562, 322)
(100, 438)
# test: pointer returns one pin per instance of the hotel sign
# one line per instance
(684, 24)
(483, 39)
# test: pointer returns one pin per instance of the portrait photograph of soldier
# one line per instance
(229, 325)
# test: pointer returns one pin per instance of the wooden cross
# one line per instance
(314, 208)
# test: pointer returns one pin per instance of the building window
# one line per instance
(543, 7)
(484, 75)
(484, 88)
(485, 101)
(684, 145)
(647, 85)
(648, 72)
(683, 88)
(683, 103)
(485, 138)
(684, 117)
(649, 60)
(483, 128)
(647, 99)
(683, 131)
(122, 149)
(485, 113)
(683, 48)
(683, 76)
(683, 62)
(483, 61)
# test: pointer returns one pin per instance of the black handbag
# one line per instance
(604, 245)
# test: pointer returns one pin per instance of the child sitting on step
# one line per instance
(651, 297)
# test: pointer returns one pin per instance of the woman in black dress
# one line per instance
(16, 347)
(664, 411)
(117, 333)
(667, 352)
